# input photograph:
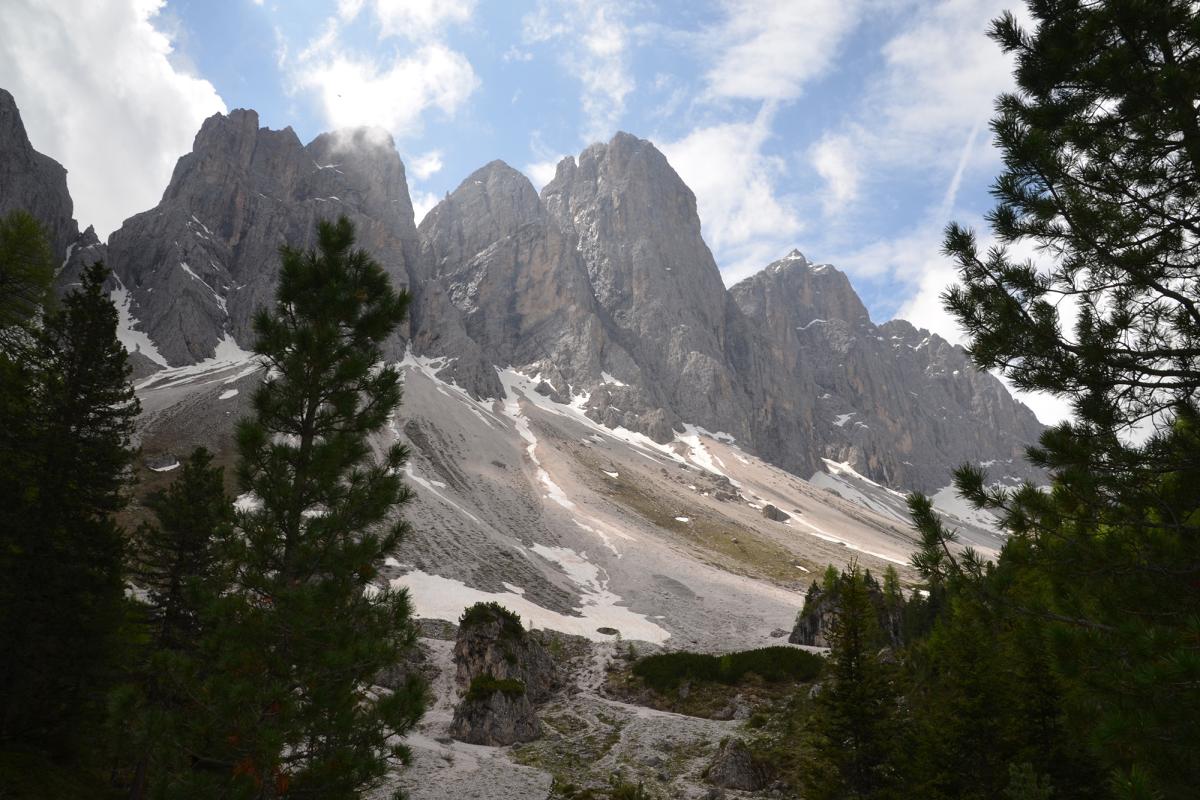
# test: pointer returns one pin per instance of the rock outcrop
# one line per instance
(492, 642)
(502, 672)
(821, 606)
(496, 714)
(734, 767)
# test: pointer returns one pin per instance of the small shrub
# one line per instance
(628, 791)
(486, 685)
(486, 613)
(666, 671)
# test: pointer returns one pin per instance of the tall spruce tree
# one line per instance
(1101, 145)
(854, 729)
(62, 598)
(299, 640)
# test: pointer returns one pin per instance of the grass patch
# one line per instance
(485, 686)
(666, 671)
(752, 553)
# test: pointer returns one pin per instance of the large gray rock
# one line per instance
(734, 767)
(516, 284)
(200, 264)
(495, 719)
(493, 643)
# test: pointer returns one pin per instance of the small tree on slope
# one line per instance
(303, 635)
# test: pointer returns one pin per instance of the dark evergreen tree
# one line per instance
(1101, 144)
(854, 728)
(62, 589)
(160, 719)
(303, 634)
(26, 272)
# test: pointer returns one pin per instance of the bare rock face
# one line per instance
(901, 405)
(496, 718)
(492, 642)
(33, 182)
(514, 280)
(734, 767)
(638, 235)
(602, 285)
(202, 262)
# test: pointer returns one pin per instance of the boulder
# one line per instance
(734, 767)
(771, 512)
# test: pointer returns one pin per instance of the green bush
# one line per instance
(486, 685)
(666, 671)
(486, 613)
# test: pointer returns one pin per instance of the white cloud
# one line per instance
(423, 203)
(360, 90)
(542, 172)
(594, 45)
(391, 88)
(745, 222)
(426, 164)
(939, 80)
(768, 49)
(99, 91)
(411, 19)
(833, 158)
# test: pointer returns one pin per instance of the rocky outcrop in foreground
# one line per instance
(495, 713)
(502, 672)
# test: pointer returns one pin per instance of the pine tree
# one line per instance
(1101, 146)
(159, 717)
(300, 639)
(855, 723)
(63, 590)
(26, 272)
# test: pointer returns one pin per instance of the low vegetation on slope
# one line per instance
(666, 671)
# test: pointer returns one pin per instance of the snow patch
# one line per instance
(609, 379)
(132, 339)
(435, 597)
(167, 468)
(227, 394)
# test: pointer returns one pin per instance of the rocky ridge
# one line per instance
(601, 286)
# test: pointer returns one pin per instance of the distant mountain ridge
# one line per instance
(602, 286)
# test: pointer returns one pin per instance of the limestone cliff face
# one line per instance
(515, 281)
(901, 405)
(638, 235)
(200, 263)
(603, 285)
(33, 182)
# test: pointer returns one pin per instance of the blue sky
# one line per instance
(851, 129)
